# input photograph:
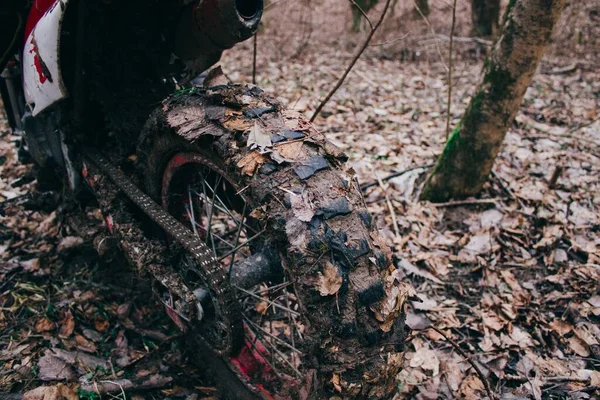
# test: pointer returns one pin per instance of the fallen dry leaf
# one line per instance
(250, 162)
(302, 208)
(237, 123)
(53, 368)
(58, 392)
(67, 325)
(215, 77)
(101, 324)
(426, 359)
(393, 305)
(69, 242)
(261, 307)
(335, 381)
(84, 344)
(330, 281)
(258, 138)
(289, 151)
(560, 327)
(44, 325)
(471, 388)
(578, 346)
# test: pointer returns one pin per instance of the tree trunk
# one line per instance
(467, 158)
(357, 16)
(484, 14)
(423, 5)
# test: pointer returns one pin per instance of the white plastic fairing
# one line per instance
(42, 76)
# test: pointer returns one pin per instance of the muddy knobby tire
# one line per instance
(351, 300)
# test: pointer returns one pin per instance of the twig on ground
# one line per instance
(581, 126)
(561, 70)
(482, 378)
(547, 129)
(466, 202)
(551, 380)
(390, 207)
(449, 115)
(120, 387)
(555, 175)
(437, 47)
(394, 175)
(548, 133)
(505, 188)
(8, 279)
(390, 41)
(457, 39)
(586, 389)
(354, 60)
(254, 58)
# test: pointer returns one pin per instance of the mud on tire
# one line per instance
(351, 301)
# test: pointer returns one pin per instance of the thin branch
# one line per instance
(364, 14)
(391, 41)
(246, 243)
(482, 378)
(466, 202)
(391, 176)
(254, 58)
(356, 57)
(432, 32)
(449, 116)
(457, 39)
(269, 302)
(390, 207)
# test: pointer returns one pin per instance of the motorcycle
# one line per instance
(246, 219)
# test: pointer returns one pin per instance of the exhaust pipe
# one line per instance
(208, 27)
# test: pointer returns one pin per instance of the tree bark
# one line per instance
(484, 14)
(468, 157)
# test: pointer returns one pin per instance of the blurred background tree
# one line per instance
(484, 14)
(469, 154)
(357, 17)
(422, 5)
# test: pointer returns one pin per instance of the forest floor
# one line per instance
(512, 277)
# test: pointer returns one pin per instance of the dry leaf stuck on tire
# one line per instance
(330, 281)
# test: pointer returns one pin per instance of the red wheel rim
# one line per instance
(266, 363)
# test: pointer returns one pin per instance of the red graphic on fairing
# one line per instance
(37, 11)
(40, 66)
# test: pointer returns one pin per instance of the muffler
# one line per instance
(207, 27)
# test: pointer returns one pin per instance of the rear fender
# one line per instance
(42, 76)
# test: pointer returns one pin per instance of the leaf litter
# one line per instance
(514, 282)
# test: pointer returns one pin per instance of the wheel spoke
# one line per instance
(219, 214)
(252, 342)
(226, 209)
(190, 210)
(246, 243)
(274, 288)
(212, 208)
(231, 246)
(269, 334)
(270, 302)
(212, 241)
(261, 333)
(237, 237)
